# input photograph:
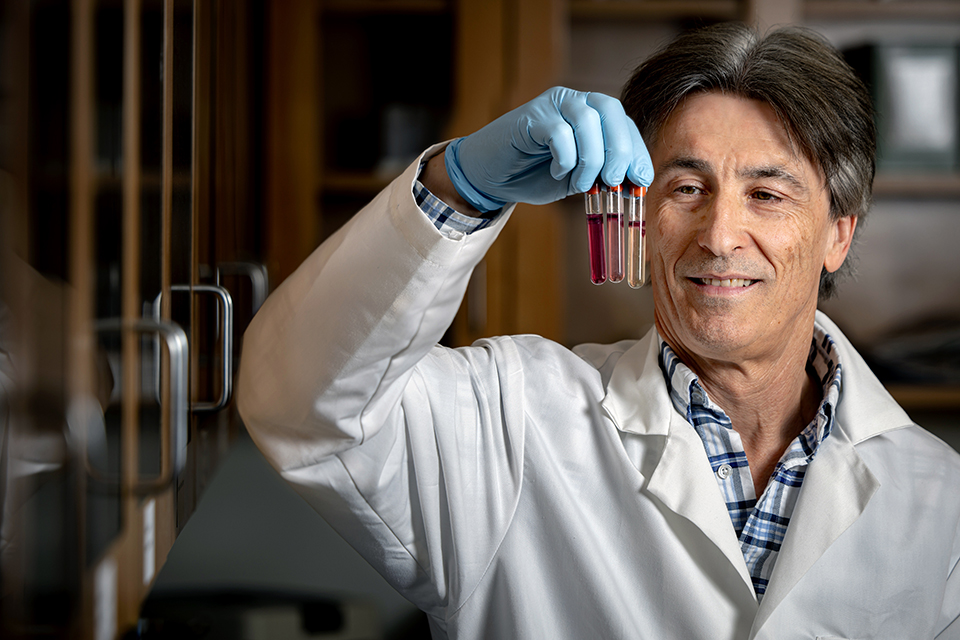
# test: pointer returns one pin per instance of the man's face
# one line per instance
(740, 229)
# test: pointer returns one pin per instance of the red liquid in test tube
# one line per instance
(595, 243)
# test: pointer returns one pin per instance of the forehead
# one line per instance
(713, 126)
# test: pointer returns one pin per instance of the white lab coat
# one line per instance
(517, 489)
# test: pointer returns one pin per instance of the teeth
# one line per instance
(730, 282)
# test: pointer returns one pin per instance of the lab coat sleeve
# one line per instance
(341, 385)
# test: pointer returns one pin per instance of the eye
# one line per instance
(688, 190)
(765, 196)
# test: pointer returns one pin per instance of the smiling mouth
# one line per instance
(727, 283)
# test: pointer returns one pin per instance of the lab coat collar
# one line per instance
(837, 486)
(637, 398)
(866, 409)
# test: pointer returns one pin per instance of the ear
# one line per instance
(841, 231)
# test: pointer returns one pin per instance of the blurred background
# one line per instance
(164, 164)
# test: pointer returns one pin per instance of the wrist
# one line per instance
(465, 189)
(436, 178)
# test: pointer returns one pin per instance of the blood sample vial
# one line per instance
(595, 241)
(612, 202)
(636, 236)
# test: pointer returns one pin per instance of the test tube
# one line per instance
(613, 210)
(598, 268)
(636, 236)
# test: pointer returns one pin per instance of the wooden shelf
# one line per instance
(873, 9)
(918, 185)
(915, 396)
(655, 9)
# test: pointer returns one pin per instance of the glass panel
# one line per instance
(104, 516)
(49, 98)
(40, 486)
(182, 200)
(151, 231)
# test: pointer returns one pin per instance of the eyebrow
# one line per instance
(766, 171)
(687, 162)
(775, 172)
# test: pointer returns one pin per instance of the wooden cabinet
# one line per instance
(123, 187)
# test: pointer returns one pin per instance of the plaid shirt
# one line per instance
(450, 222)
(760, 524)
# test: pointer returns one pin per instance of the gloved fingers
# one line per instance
(557, 135)
(564, 124)
(553, 146)
(625, 154)
(640, 170)
(587, 126)
(617, 143)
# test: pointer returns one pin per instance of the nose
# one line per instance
(722, 226)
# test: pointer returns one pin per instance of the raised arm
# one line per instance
(330, 352)
(413, 452)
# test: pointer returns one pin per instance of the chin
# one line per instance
(718, 338)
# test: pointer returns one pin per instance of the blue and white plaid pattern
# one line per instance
(449, 221)
(760, 524)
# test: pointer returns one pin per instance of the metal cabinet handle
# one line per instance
(256, 272)
(178, 350)
(226, 331)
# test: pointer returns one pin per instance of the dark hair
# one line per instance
(821, 102)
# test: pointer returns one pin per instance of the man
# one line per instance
(737, 473)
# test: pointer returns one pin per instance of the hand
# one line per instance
(551, 147)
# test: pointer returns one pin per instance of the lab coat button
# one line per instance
(724, 471)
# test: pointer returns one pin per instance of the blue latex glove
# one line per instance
(551, 147)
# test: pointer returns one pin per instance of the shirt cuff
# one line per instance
(450, 222)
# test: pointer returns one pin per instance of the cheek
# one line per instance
(660, 253)
(664, 236)
(796, 251)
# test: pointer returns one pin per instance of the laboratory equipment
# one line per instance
(595, 242)
(636, 236)
(616, 233)
(613, 214)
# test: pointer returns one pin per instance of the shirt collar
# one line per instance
(686, 391)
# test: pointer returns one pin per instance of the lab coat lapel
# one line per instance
(684, 482)
(638, 402)
(838, 484)
(836, 489)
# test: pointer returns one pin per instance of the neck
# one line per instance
(769, 400)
